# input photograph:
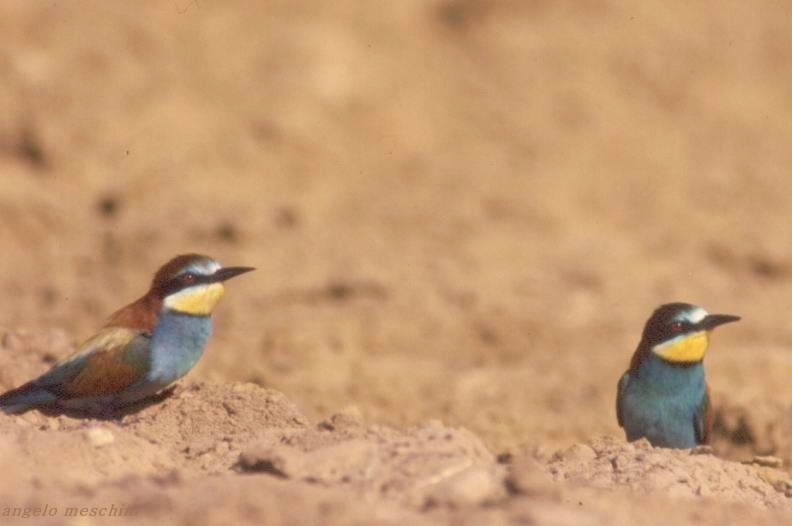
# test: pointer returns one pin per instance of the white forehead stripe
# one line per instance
(694, 315)
(204, 267)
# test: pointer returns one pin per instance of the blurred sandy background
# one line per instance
(460, 209)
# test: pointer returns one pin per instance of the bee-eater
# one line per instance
(142, 348)
(664, 396)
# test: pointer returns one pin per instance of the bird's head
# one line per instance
(192, 283)
(679, 332)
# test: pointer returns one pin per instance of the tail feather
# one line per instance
(25, 397)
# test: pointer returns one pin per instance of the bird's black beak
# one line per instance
(713, 320)
(229, 272)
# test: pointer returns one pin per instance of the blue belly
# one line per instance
(662, 402)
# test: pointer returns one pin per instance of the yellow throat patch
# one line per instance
(687, 349)
(199, 300)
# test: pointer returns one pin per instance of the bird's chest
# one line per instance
(177, 343)
(662, 403)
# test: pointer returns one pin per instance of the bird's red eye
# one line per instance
(188, 278)
(677, 326)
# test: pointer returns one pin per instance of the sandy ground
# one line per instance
(461, 213)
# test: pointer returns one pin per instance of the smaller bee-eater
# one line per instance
(664, 396)
(142, 348)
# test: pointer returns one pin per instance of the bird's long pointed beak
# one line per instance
(713, 320)
(229, 272)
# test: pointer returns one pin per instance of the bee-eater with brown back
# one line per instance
(142, 348)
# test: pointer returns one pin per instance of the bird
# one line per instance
(664, 396)
(142, 348)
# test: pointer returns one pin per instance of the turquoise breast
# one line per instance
(177, 344)
(661, 402)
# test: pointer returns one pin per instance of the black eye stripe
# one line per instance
(680, 326)
(658, 331)
(182, 281)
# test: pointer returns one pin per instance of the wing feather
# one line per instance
(620, 389)
(106, 363)
(703, 420)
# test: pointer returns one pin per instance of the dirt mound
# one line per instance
(211, 451)
(678, 473)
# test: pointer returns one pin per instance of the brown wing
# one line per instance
(106, 363)
(704, 419)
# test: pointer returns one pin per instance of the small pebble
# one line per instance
(99, 437)
(473, 486)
